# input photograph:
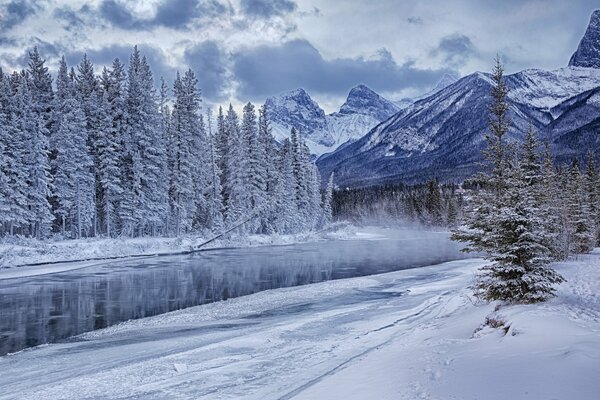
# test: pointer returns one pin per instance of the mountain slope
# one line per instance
(443, 135)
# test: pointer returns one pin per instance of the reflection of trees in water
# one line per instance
(42, 310)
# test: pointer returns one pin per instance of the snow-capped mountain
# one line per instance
(362, 110)
(443, 135)
(297, 109)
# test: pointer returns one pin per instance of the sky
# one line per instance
(246, 50)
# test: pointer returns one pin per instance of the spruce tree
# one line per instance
(504, 219)
(579, 228)
(328, 202)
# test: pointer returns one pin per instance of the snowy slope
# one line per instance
(404, 335)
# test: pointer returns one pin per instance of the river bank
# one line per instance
(27, 257)
(403, 335)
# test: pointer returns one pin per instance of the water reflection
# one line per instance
(44, 309)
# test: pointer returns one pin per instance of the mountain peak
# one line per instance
(588, 52)
(364, 100)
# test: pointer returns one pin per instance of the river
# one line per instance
(50, 308)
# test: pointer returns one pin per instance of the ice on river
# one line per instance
(410, 334)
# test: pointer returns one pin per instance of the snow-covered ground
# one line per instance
(412, 334)
(16, 252)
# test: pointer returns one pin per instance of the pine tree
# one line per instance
(147, 147)
(593, 197)
(36, 161)
(15, 152)
(271, 170)
(215, 220)
(504, 220)
(256, 171)
(286, 207)
(40, 85)
(550, 210)
(327, 202)
(580, 229)
(238, 205)
(118, 212)
(433, 203)
(182, 197)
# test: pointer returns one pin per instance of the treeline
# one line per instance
(110, 155)
(527, 213)
(429, 204)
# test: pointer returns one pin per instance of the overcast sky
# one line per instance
(245, 50)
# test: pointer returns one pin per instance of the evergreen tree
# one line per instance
(184, 116)
(147, 147)
(327, 203)
(256, 171)
(238, 205)
(36, 161)
(271, 169)
(503, 221)
(118, 212)
(215, 220)
(593, 197)
(579, 228)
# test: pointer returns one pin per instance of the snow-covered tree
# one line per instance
(327, 202)
(33, 129)
(73, 181)
(147, 147)
(504, 219)
(215, 197)
(256, 169)
(580, 221)
(238, 204)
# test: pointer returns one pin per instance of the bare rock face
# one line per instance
(588, 52)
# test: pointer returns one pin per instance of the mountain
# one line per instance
(362, 110)
(296, 108)
(442, 135)
(588, 52)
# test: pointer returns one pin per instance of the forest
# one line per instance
(111, 155)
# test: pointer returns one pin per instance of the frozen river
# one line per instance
(51, 308)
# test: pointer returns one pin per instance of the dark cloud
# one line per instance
(455, 49)
(48, 51)
(74, 19)
(105, 56)
(175, 14)
(415, 20)
(208, 61)
(118, 15)
(267, 8)
(265, 70)
(15, 12)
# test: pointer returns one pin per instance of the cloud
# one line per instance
(175, 14)
(15, 12)
(267, 8)
(415, 20)
(265, 70)
(455, 50)
(209, 63)
(104, 57)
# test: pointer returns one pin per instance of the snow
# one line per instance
(55, 256)
(412, 334)
(546, 89)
